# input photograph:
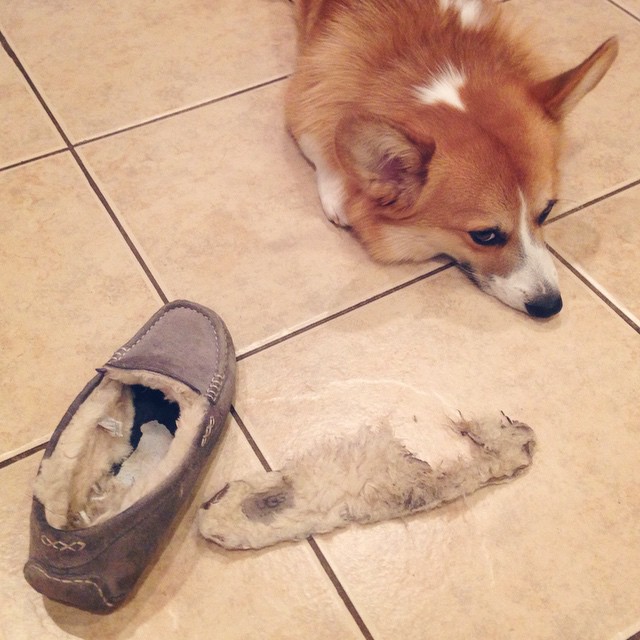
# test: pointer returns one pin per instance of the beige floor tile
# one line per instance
(196, 590)
(603, 133)
(602, 242)
(633, 6)
(25, 129)
(102, 66)
(226, 207)
(72, 293)
(555, 552)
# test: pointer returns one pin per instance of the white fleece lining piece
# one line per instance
(366, 478)
(76, 485)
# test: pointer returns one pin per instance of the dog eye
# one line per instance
(545, 213)
(488, 237)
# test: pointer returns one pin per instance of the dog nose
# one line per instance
(544, 307)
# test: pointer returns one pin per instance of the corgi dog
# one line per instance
(433, 131)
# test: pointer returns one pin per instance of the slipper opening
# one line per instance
(130, 434)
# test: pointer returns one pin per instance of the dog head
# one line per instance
(470, 173)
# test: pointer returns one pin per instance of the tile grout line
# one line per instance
(26, 453)
(14, 58)
(592, 286)
(184, 110)
(324, 563)
(252, 443)
(594, 201)
(144, 123)
(42, 156)
(337, 585)
(629, 13)
(114, 218)
(342, 312)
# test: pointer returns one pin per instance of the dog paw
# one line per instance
(331, 191)
(330, 182)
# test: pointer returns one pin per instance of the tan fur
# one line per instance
(418, 178)
(75, 485)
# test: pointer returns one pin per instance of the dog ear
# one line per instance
(389, 165)
(559, 95)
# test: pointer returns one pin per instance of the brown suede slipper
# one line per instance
(127, 455)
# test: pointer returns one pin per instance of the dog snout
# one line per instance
(545, 306)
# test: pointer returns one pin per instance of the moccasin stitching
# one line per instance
(76, 581)
(120, 353)
(60, 545)
(215, 384)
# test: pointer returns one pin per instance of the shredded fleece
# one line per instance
(369, 478)
(80, 483)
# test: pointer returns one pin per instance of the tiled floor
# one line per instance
(143, 157)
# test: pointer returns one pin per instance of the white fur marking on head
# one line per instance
(330, 183)
(535, 277)
(444, 88)
(470, 12)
